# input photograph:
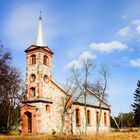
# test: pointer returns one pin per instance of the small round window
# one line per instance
(32, 78)
(46, 78)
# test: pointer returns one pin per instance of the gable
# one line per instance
(59, 88)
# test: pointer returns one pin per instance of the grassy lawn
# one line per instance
(101, 136)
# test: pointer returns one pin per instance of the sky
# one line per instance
(105, 31)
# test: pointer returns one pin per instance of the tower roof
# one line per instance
(40, 36)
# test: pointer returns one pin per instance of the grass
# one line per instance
(101, 136)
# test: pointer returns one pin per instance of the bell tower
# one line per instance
(38, 67)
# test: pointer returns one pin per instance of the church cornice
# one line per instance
(38, 100)
(88, 105)
(35, 48)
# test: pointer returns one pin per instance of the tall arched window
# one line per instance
(97, 117)
(32, 91)
(77, 117)
(105, 119)
(88, 117)
(45, 60)
(33, 59)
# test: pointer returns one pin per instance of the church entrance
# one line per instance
(29, 122)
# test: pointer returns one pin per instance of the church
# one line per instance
(41, 107)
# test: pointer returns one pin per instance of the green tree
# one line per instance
(136, 105)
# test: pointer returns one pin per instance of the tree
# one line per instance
(123, 120)
(10, 85)
(136, 105)
(70, 89)
(97, 88)
(80, 78)
(104, 72)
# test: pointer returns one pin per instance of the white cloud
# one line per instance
(138, 29)
(124, 16)
(131, 30)
(135, 22)
(108, 46)
(135, 63)
(84, 56)
(126, 31)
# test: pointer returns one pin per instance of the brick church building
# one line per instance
(41, 107)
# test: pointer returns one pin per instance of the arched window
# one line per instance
(105, 119)
(45, 60)
(77, 117)
(32, 91)
(32, 77)
(88, 117)
(97, 117)
(48, 108)
(33, 59)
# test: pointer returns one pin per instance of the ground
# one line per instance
(101, 136)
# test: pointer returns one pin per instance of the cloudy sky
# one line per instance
(106, 31)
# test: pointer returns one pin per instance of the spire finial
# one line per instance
(40, 17)
(40, 37)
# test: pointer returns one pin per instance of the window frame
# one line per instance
(46, 60)
(46, 78)
(88, 117)
(105, 118)
(77, 115)
(48, 108)
(97, 117)
(31, 77)
(31, 92)
(33, 59)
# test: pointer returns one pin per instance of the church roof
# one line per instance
(35, 47)
(91, 100)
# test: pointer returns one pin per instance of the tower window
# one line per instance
(77, 117)
(105, 119)
(33, 59)
(45, 60)
(32, 91)
(88, 117)
(32, 78)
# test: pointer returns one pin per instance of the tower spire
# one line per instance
(40, 37)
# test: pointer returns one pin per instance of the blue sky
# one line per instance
(107, 31)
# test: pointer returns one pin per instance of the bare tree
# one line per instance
(97, 88)
(104, 72)
(10, 85)
(70, 89)
(80, 78)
